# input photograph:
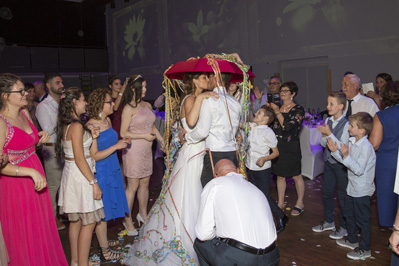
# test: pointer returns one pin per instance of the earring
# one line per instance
(292, 98)
(100, 115)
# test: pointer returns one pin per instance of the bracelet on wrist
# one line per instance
(16, 171)
(120, 94)
(94, 181)
(395, 229)
(279, 113)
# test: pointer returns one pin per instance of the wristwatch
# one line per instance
(94, 181)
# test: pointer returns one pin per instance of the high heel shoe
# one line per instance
(139, 219)
(127, 232)
(112, 256)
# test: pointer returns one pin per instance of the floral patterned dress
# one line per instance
(288, 163)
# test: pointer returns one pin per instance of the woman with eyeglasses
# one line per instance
(286, 127)
(108, 171)
(26, 213)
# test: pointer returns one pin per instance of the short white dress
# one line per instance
(76, 194)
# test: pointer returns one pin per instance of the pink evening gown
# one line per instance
(26, 215)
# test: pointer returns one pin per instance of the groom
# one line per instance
(217, 124)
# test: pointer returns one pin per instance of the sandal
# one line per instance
(109, 255)
(297, 211)
(113, 243)
(94, 260)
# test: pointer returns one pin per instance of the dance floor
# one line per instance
(298, 244)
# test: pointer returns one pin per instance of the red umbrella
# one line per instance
(178, 70)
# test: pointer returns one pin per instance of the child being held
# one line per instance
(360, 160)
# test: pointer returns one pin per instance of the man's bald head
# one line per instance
(225, 166)
(39, 88)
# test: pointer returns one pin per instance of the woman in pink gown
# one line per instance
(138, 124)
(26, 213)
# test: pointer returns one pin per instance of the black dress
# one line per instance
(288, 163)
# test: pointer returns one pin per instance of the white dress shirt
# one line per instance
(47, 115)
(345, 133)
(232, 207)
(214, 123)
(363, 104)
(261, 140)
(361, 167)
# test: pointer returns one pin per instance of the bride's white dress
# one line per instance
(167, 236)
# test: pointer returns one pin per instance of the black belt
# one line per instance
(247, 248)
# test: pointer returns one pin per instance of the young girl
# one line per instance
(79, 195)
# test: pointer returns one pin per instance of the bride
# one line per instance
(168, 235)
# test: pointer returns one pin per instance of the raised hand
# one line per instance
(258, 93)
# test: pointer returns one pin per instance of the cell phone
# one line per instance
(276, 99)
(269, 98)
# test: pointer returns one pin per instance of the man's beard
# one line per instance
(58, 92)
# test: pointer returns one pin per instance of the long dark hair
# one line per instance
(66, 109)
(134, 89)
(189, 86)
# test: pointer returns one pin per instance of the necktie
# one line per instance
(349, 112)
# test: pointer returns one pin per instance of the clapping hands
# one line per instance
(324, 130)
(344, 149)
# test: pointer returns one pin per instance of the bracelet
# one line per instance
(94, 181)
(395, 229)
(120, 94)
(16, 171)
(279, 113)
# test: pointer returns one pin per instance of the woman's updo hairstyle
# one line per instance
(133, 91)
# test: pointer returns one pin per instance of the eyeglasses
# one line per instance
(274, 83)
(287, 90)
(110, 102)
(22, 92)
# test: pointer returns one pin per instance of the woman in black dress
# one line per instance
(286, 127)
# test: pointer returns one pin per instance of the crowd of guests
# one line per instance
(79, 166)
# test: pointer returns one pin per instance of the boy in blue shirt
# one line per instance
(360, 159)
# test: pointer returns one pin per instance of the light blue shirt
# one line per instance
(361, 167)
(345, 134)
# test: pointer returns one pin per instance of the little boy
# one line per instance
(336, 128)
(261, 140)
(359, 158)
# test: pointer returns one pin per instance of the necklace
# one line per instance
(285, 108)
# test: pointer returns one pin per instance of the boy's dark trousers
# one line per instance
(357, 214)
(334, 174)
(261, 179)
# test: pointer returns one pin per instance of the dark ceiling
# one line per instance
(53, 23)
